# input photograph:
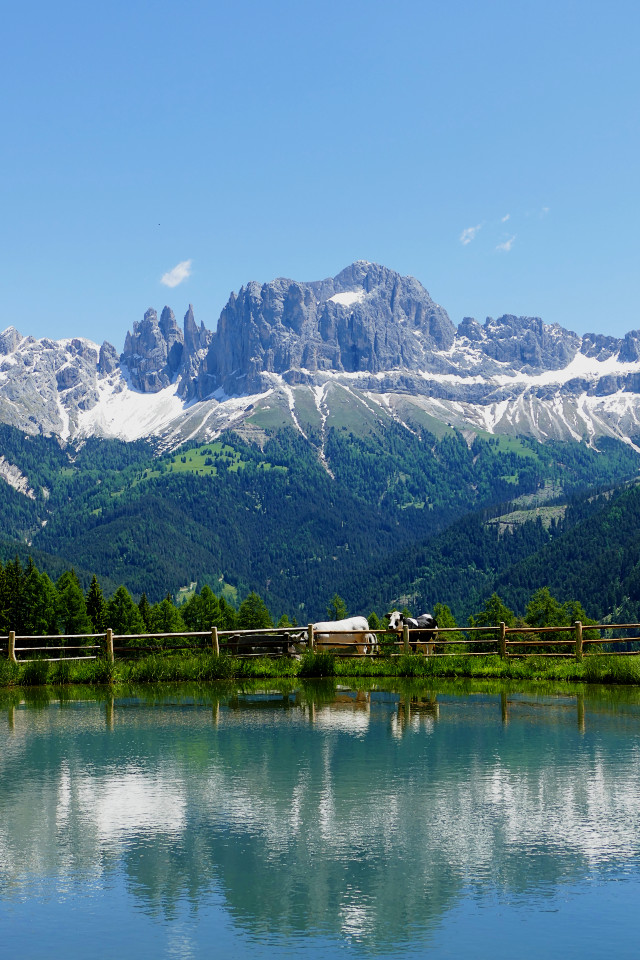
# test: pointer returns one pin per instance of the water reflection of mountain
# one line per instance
(361, 815)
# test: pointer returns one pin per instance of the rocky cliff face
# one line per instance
(366, 322)
(46, 384)
(152, 353)
(366, 319)
(157, 353)
(524, 343)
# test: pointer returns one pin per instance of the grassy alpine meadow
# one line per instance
(204, 667)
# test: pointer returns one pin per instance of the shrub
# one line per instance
(61, 672)
(102, 670)
(9, 673)
(317, 665)
(410, 665)
(35, 673)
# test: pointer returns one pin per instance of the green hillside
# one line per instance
(596, 559)
(272, 517)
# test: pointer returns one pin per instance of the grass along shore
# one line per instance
(204, 667)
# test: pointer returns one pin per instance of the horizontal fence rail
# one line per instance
(503, 641)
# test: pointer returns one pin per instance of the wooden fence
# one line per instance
(575, 642)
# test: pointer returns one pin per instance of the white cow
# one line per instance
(354, 630)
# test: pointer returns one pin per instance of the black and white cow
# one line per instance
(425, 624)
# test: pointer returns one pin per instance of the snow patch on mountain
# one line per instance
(125, 413)
(349, 298)
(288, 392)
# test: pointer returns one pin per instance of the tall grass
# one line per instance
(317, 665)
(203, 667)
(60, 673)
(606, 669)
(35, 673)
(9, 673)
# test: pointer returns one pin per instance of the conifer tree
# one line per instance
(71, 607)
(145, 611)
(445, 618)
(253, 614)
(337, 608)
(202, 610)
(38, 602)
(494, 613)
(3, 602)
(543, 610)
(11, 603)
(228, 616)
(96, 606)
(165, 617)
(209, 609)
(123, 615)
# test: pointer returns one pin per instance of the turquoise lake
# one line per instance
(320, 821)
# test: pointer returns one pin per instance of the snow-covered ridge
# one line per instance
(288, 352)
(73, 399)
(580, 367)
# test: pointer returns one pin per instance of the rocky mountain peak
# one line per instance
(191, 332)
(169, 327)
(107, 359)
(368, 318)
(630, 348)
(525, 343)
(152, 351)
(196, 342)
(9, 340)
(157, 353)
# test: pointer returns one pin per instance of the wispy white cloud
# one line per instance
(468, 234)
(544, 211)
(177, 275)
(506, 217)
(506, 246)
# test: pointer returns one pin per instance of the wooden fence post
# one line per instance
(109, 643)
(578, 633)
(310, 640)
(502, 640)
(11, 652)
(214, 641)
(405, 637)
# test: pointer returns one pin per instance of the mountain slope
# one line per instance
(588, 550)
(596, 561)
(275, 519)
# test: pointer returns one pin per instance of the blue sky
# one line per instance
(488, 149)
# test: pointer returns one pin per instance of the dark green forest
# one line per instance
(392, 519)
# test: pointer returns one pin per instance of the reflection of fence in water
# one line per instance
(522, 641)
(350, 711)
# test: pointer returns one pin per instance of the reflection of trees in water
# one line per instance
(354, 814)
